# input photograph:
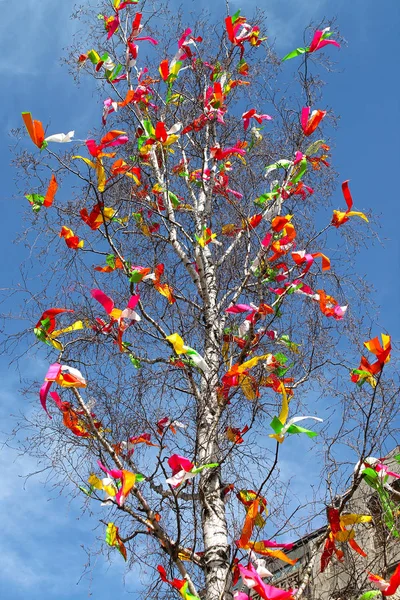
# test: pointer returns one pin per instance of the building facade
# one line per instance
(348, 579)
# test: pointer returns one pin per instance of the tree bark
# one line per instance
(215, 530)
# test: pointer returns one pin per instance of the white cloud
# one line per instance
(42, 538)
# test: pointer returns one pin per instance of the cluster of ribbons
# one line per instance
(367, 371)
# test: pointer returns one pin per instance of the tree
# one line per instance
(204, 315)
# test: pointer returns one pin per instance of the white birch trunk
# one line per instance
(215, 531)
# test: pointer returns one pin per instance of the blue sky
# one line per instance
(43, 534)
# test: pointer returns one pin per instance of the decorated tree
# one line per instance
(192, 315)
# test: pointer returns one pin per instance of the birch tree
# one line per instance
(191, 314)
